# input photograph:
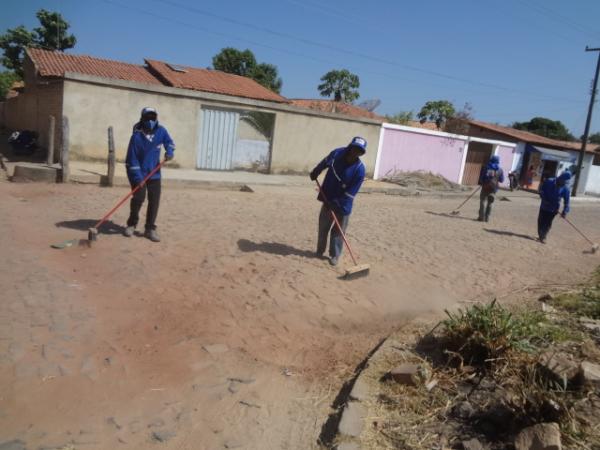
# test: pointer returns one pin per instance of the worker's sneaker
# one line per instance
(129, 231)
(152, 235)
(333, 260)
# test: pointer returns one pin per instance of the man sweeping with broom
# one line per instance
(489, 179)
(551, 192)
(345, 175)
(143, 158)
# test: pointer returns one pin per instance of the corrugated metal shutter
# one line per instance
(219, 135)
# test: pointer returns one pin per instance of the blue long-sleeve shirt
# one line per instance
(143, 153)
(551, 193)
(343, 180)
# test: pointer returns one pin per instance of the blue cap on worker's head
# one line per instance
(565, 176)
(148, 110)
(359, 142)
(495, 159)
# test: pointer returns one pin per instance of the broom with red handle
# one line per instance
(93, 232)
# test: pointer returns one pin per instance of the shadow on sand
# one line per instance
(108, 227)
(510, 233)
(273, 248)
(450, 216)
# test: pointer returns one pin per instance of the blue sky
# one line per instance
(510, 59)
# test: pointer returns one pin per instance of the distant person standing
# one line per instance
(514, 180)
(551, 192)
(489, 179)
(529, 177)
(143, 156)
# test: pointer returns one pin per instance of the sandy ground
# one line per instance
(229, 333)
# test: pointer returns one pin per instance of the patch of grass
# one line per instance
(479, 333)
(585, 302)
(484, 333)
(534, 330)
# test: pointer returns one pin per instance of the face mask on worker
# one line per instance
(149, 124)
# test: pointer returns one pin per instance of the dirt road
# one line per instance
(229, 334)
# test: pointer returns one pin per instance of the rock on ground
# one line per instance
(590, 373)
(352, 419)
(410, 374)
(543, 436)
(473, 444)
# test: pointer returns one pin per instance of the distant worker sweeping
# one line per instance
(143, 159)
(345, 175)
(551, 192)
(489, 179)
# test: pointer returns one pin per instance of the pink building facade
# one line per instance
(408, 149)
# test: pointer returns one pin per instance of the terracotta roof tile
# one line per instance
(331, 106)
(55, 64)
(212, 81)
(533, 138)
(426, 125)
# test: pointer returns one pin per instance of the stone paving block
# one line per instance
(352, 419)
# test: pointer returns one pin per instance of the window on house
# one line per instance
(596, 159)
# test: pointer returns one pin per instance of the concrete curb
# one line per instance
(98, 179)
(355, 413)
(357, 391)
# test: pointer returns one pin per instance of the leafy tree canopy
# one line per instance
(594, 138)
(243, 63)
(7, 79)
(553, 129)
(342, 84)
(436, 111)
(459, 122)
(52, 34)
(401, 118)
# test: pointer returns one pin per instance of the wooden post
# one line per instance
(50, 156)
(64, 154)
(111, 158)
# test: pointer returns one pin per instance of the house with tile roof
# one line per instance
(460, 157)
(219, 121)
(546, 157)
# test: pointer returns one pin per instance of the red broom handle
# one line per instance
(335, 219)
(133, 191)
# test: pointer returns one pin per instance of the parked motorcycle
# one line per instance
(23, 142)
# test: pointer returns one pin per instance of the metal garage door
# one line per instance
(478, 155)
(219, 130)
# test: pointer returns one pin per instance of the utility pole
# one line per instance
(587, 122)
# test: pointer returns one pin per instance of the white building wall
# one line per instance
(593, 182)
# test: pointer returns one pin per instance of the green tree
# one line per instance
(436, 111)
(553, 129)
(459, 123)
(342, 84)
(52, 35)
(7, 79)
(243, 63)
(401, 118)
(53, 31)
(261, 121)
(232, 60)
(266, 75)
(594, 138)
